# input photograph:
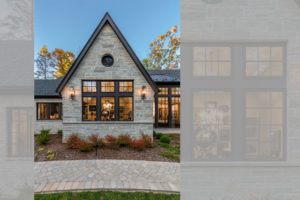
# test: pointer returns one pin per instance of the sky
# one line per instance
(68, 24)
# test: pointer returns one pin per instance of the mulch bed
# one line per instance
(61, 152)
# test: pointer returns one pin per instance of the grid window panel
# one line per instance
(89, 108)
(125, 109)
(107, 86)
(163, 90)
(89, 86)
(163, 110)
(175, 109)
(125, 86)
(212, 61)
(42, 111)
(107, 108)
(264, 61)
(212, 124)
(264, 125)
(54, 111)
(175, 90)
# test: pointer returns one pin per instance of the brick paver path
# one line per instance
(127, 175)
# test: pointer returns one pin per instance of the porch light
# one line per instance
(143, 94)
(72, 92)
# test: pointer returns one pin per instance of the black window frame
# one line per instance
(48, 110)
(99, 95)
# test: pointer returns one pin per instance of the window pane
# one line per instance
(212, 124)
(176, 90)
(42, 111)
(163, 111)
(89, 108)
(125, 108)
(54, 111)
(264, 119)
(268, 60)
(89, 86)
(175, 103)
(125, 86)
(163, 91)
(212, 61)
(107, 86)
(107, 108)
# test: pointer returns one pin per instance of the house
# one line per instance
(108, 91)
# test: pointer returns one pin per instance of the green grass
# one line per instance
(106, 196)
(172, 152)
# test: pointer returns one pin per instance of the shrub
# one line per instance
(41, 149)
(96, 138)
(50, 157)
(49, 152)
(45, 131)
(73, 141)
(158, 135)
(59, 132)
(165, 139)
(44, 137)
(111, 142)
(148, 140)
(84, 145)
(139, 144)
(154, 134)
(124, 140)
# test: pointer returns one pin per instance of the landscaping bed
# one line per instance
(106, 196)
(54, 149)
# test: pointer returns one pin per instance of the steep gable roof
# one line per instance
(106, 19)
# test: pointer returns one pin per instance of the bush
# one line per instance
(139, 144)
(96, 138)
(148, 140)
(154, 134)
(44, 137)
(165, 139)
(59, 132)
(84, 145)
(124, 140)
(72, 141)
(112, 142)
(158, 135)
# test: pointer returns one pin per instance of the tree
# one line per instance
(164, 51)
(44, 64)
(63, 62)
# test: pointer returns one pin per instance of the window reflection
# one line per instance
(163, 111)
(212, 61)
(125, 86)
(264, 61)
(264, 119)
(42, 111)
(212, 124)
(163, 90)
(125, 108)
(89, 108)
(54, 111)
(175, 103)
(107, 108)
(107, 86)
(89, 86)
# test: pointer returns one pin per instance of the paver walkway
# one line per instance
(127, 175)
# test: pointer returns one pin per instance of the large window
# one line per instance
(167, 107)
(242, 117)
(110, 101)
(49, 111)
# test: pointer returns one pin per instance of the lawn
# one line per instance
(106, 196)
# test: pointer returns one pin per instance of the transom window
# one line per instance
(264, 61)
(89, 86)
(113, 101)
(163, 90)
(49, 111)
(212, 61)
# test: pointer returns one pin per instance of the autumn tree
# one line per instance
(44, 64)
(164, 51)
(63, 62)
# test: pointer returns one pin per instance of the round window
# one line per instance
(107, 60)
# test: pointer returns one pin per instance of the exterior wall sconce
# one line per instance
(72, 92)
(143, 94)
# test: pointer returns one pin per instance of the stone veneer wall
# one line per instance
(53, 125)
(91, 68)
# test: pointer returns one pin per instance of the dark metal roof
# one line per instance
(165, 75)
(46, 88)
(106, 20)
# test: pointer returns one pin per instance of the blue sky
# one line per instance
(68, 24)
